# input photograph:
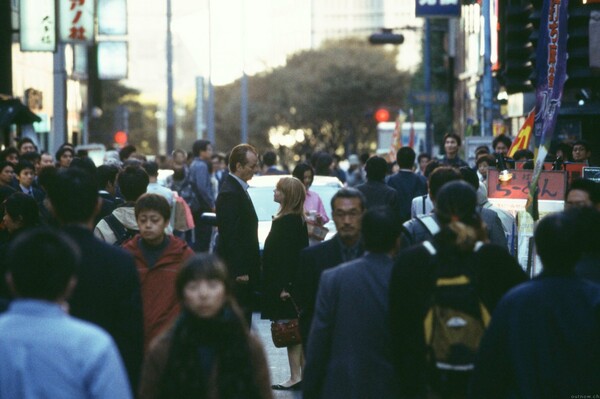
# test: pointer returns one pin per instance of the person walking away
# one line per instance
(407, 184)
(425, 283)
(348, 353)
(37, 360)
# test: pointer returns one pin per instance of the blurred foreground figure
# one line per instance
(45, 352)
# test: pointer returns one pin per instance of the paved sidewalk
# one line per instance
(276, 357)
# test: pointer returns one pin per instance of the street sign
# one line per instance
(437, 8)
(551, 185)
(432, 97)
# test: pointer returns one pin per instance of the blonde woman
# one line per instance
(288, 236)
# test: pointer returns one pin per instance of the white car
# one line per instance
(261, 192)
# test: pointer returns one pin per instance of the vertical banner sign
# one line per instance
(521, 142)
(37, 19)
(551, 71)
(76, 21)
(396, 136)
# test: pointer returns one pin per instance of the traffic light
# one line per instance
(518, 51)
(382, 115)
(121, 137)
(386, 37)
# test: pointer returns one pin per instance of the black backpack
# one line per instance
(121, 232)
(455, 321)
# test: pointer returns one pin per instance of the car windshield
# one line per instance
(266, 208)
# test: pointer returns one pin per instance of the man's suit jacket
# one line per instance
(408, 185)
(348, 353)
(238, 231)
(379, 194)
(313, 261)
(108, 295)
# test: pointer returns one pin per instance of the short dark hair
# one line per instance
(22, 165)
(239, 154)
(482, 149)
(556, 237)
(589, 186)
(324, 161)
(441, 176)
(269, 158)
(454, 136)
(430, 167)
(348, 192)
(61, 151)
(151, 168)
(23, 208)
(153, 202)
(380, 229)
(470, 176)
(584, 143)
(405, 157)
(41, 262)
(133, 182)
(490, 159)
(86, 164)
(107, 174)
(32, 157)
(126, 152)
(423, 155)
(524, 153)
(7, 151)
(4, 164)
(74, 194)
(199, 146)
(501, 139)
(24, 140)
(376, 168)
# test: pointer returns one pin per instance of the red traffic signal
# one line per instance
(121, 137)
(382, 115)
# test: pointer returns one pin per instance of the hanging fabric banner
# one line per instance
(551, 71)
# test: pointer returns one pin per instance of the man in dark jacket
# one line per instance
(348, 352)
(542, 341)
(376, 192)
(238, 226)
(407, 183)
(347, 207)
(108, 289)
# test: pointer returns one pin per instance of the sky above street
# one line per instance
(249, 35)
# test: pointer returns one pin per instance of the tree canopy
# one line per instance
(329, 94)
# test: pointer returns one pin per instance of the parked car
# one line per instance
(261, 192)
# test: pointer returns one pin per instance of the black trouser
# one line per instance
(203, 233)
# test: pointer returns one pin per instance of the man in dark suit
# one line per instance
(108, 289)
(347, 208)
(376, 192)
(348, 352)
(407, 183)
(238, 226)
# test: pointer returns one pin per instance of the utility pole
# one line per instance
(244, 85)
(59, 120)
(170, 112)
(427, 73)
(211, 91)
(486, 123)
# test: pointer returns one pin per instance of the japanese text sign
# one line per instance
(551, 185)
(38, 25)
(76, 21)
(437, 8)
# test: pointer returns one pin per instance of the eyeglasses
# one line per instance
(351, 214)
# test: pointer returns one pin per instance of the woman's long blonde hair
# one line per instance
(294, 195)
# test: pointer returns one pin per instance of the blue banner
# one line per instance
(551, 71)
(437, 8)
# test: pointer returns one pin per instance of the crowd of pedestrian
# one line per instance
(114, 286)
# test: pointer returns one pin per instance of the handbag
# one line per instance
(286, 333)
